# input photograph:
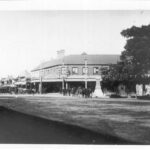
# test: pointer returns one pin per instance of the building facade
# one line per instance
(71, 71)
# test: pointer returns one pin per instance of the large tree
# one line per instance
(134, 62)
(136, 56)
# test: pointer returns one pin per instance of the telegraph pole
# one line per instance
(62, 72)
(40, 84)
(86, 71)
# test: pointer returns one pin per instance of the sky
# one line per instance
(28, 38)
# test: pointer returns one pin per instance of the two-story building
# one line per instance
(71, 71)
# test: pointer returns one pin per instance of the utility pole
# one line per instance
(62, 72)
(86, 71)
(40, 84)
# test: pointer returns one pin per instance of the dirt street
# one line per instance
(124, 118)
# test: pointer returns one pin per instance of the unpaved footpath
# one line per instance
(124, 118)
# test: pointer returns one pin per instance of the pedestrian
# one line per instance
(69, 91)
(83, 92)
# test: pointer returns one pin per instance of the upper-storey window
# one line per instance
(95, 70)
(85, 70)
(63, 70)
(74, 70)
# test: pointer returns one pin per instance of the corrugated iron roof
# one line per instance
(80, 60)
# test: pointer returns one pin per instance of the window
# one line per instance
(85, 70)
(74, 70)
(95, 70)
(63, 70)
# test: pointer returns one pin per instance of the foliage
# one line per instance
(136, 56)
(134, 64)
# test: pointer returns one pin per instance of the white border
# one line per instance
(39, 5)
(71, 147)
(74, 4)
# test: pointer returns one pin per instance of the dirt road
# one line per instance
(123, 118)
(20, 128)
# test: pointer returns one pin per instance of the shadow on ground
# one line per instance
(17, 127)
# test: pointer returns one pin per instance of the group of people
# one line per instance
(78, 91)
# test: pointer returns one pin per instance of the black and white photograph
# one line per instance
(74, 76)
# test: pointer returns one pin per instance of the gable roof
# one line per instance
(25, 73)
(79, 60)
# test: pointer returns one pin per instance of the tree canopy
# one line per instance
(136, 56)
(134, 62)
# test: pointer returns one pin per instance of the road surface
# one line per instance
(127, 119)
(20, 128)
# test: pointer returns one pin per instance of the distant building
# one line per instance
(71, 71)
(23, 79)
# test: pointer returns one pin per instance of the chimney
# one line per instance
(60, 54)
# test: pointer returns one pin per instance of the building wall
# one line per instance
(45, 72)
(90, 69)
(57, 70)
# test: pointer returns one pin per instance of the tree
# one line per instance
(134, 62)
(136, 56)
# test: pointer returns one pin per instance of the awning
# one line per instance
(12, 85)
(20, 83)
(72, 78)
(46, 80)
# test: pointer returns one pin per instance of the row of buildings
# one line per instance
(64, 72)
(10, 83)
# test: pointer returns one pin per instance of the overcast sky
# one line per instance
(30, 37)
